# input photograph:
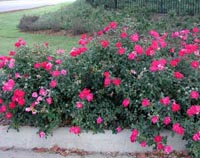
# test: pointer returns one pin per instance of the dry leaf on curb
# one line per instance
(39, 150)
(54, 149)
(63, 153)
(6, 148)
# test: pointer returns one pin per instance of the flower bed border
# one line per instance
(101, 142)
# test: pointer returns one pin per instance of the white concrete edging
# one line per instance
(27, 138)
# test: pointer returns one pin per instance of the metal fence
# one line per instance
(190, 7)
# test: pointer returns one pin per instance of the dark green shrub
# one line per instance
(27, 22)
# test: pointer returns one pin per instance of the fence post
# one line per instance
(116, 2)
(161, 6)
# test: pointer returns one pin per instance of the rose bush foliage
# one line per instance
(114, 80)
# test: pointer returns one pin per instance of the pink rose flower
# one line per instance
(145, 102)
(49, 100)
(99, 120)
(165, 101)
(79, 105)
(154, 119)
(42, 134)
(168, 149)
(194, 95)
(125, 102)
(167, 120)
(53, 84)
(175, 107)
(143, 144)
(75, 130)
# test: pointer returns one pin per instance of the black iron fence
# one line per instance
(190, 7)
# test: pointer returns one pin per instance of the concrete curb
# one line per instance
(27, 138)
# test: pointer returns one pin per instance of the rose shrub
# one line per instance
(123, 79)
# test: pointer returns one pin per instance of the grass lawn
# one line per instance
(9, 32)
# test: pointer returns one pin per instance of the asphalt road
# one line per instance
(13, 5)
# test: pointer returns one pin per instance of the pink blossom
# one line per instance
(89, 97)
(106, 74)
(118, 44)
(53, 84)
(39, 99)
(123, 35)
(37, 65)
(118, 129)
(60, 51)
(196, 136)
(193, 110)
(194, 64)
(12, 105)
(165, 101)
(99, 33)
(106, 29)
(145, 102)
(104, 43)
(167, 120)
(159, 146)
(125, 102)
(63, 72)
(157, 139)
(154, 119)
(132, 55)
(55, 73)
(134, 135)
(194, 95)
(3, 109)
(174, 62)
(154, 34)
(49, 100)
(121, 51)
(1, 101)
(107, 81)
(34, 95)
(12, 53)
(17, 75)
(58, 61)
(8, 86)
(42, 134)
(134, 37)
(49, 58)
(42, 92)
(11, 63)
(178, 129)
(86, 94)
(150, 51)
(138, 49)
(158, 65)
(143, 144)
(8, 115)
(75, 129)
(113, 25)
(175, 34)
(168, 149)
(79, 105)
(99, 120)
(195, 30)
(46, 44)
(116, 81)
(175, 107)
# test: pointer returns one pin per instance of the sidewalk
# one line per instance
(13, 5)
